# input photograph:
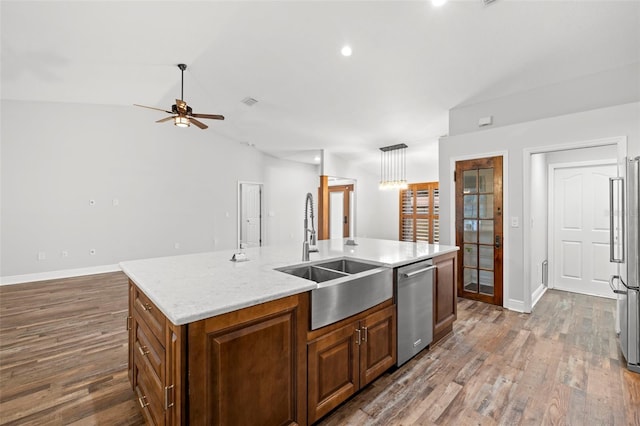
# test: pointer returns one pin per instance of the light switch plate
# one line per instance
(515, 221)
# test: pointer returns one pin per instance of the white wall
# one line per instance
(539, 219)
(621, 120)
(612, 87)
(173, 186)
(376, 210)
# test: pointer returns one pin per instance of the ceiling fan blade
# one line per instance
(210, 116)
(157, 109)
(198, 123)
(162, 120)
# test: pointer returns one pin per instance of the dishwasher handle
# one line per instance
(418, 272)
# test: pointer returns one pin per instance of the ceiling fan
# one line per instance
(181, 113)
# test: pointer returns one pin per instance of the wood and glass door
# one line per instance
(479, 228)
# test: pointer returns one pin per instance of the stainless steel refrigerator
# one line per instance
(624, 193)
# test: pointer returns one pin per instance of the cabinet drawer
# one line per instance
(149, 400)
(150, 350)
(150, 313)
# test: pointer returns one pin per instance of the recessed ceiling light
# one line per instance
(346, 50)
(438, 3)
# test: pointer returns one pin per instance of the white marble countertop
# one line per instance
(192, 287)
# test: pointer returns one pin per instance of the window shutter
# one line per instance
(419, 210)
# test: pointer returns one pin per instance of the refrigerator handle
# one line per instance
(615, 290)
(616, 183)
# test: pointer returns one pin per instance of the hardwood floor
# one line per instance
(63, 355)
(559, 365)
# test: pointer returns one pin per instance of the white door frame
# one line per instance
(551, 255)
(239, 224)
(619, 141)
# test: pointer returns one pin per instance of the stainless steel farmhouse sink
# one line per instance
(313, 273)
(347, 265)
(345, 287)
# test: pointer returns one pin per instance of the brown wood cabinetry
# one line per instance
(444, 295)
(346, 356)
(156, 361)
(249, 366)
(244, 367)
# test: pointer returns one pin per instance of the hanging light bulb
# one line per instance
(393, 167)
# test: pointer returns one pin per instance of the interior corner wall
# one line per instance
(620, 120)
(377, 210)
(608, 88)
(155, 187)
(539, 218)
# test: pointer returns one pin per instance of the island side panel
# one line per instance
(249, 366)
(445, 296)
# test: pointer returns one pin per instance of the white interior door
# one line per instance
(336, 214)
(580, 229)
(250, 224)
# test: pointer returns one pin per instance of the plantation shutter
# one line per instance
(419, 210)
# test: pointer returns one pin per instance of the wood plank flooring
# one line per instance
(63, 353)
(63, 356)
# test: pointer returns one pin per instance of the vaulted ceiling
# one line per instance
(411, 62)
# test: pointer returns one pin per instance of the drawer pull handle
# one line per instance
(359, 336)
(167, 405)
(128, 323)
(143, 350)
(143, 402)
(365, 334)
(146, 307)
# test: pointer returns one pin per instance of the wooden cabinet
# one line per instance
(156, 361)
(249, 366)
(348, 355)
(444, 295)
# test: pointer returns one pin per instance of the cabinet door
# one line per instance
(174, 390)
(243, 366)
(378, 345)
(444, 295)
(332, 370)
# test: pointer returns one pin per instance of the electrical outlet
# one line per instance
(92, 252)
(115, 202)
(176, 246)
(42, 255)
(64, 253)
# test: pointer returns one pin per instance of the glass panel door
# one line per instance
(479, 228)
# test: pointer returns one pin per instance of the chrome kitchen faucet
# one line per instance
(308, 246)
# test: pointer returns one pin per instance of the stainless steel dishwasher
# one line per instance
(414, 286)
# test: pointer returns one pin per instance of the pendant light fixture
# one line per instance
(393, 167)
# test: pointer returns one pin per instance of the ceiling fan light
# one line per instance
(181, 121)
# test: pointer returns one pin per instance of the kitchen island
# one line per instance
(219, 342)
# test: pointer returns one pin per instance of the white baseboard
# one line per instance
(53, 275)
(537, 294)
(515, 305)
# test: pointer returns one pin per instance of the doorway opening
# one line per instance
(250, 226)
(566, 240)
(340, 211)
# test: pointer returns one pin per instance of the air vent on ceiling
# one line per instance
(249, 101)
